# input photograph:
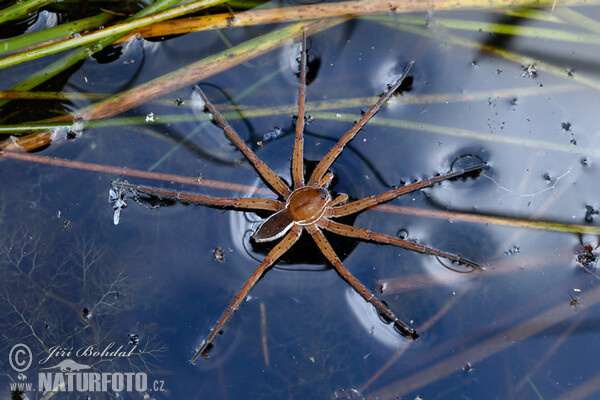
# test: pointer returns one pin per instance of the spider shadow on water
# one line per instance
(309, 205)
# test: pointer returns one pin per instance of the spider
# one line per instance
(307, 206)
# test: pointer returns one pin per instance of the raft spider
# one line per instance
(308, 206)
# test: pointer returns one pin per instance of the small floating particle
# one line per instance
(150, 117)
(272, 134)
(219, 254)
(134, 339)
(529, 71)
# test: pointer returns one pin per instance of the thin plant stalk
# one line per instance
(315, 107)
(197, 71)
(446, 215)
(495, 28)
(109, 169)
(314, 11)
(508, 55)
(476, 353)
(493, 219)
(578, 19)
(318, 105)
(458, 132)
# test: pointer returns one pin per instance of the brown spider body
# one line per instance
(309, 207)
(304, 206)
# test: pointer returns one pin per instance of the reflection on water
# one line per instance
(372, 323)
(513, 323)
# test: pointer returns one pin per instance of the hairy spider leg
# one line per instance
(279, 249)
(326, 180)
(364, 234)
(263, 170)
(298, 154)
(365, 293)
(337, 149)
(244, 203)
(362, 204)
(341, 199)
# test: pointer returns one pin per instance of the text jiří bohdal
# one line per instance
(109, 351)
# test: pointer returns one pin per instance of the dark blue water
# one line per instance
(73, 279)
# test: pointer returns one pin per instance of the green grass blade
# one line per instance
(112, 33)
(506, 54)
(56, 32)
(199, 70)
(578, 19)
(21, 9)
(458, 132)
(494, 28)
(77, 55)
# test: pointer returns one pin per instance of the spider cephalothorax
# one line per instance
(304, 206)
(308, 206)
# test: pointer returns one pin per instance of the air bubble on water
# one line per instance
(402, 234)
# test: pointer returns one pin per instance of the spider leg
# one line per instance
(249, 203)
(326, 180)
(364, 234)
(298, 154)
(269, 260)
(341, 199)
(330, 157)
(365, 293)
(263, 170)
(359, 205)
